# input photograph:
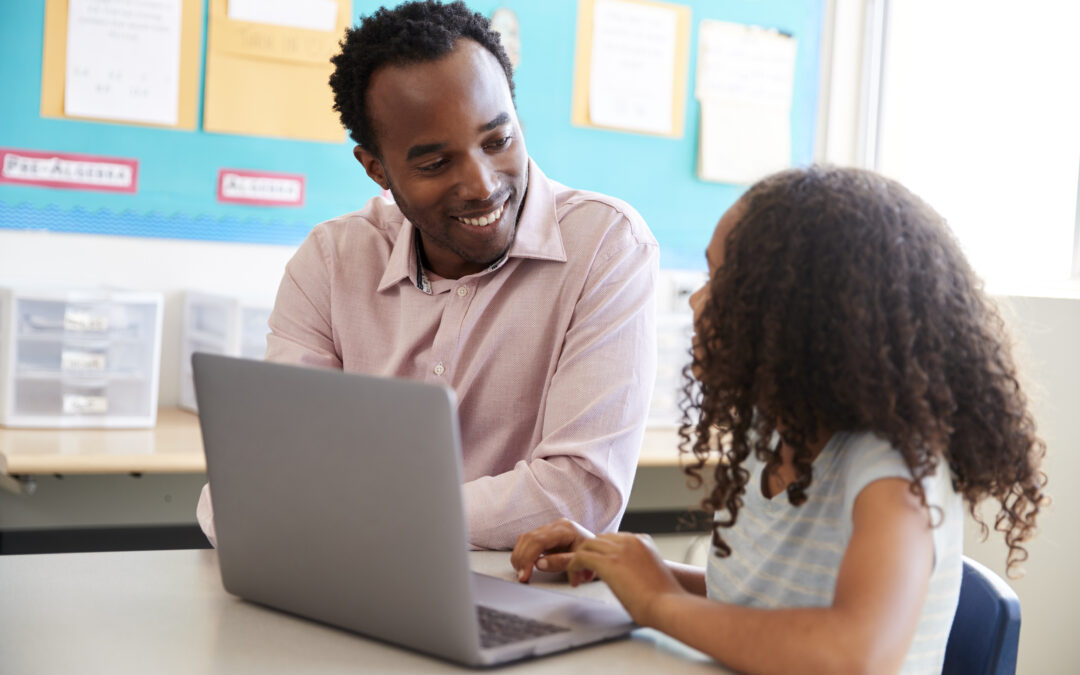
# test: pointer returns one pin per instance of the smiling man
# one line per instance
(533, 301)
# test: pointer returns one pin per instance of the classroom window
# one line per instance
(980, 115)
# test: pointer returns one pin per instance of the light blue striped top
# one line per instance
(787, 556)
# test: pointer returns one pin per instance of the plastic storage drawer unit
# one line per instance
(79, 357)
(219, 324)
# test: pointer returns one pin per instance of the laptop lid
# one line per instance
(323, 502)
(337, 497)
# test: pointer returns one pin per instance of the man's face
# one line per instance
(452, 154)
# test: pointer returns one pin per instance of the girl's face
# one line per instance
(714, 256)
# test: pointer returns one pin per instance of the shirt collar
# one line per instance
(537, 237)
(538, 234)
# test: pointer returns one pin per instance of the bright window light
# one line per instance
(980, 116)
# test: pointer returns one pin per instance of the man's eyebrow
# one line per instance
(421, 150)
(428, 148)
(500, 120)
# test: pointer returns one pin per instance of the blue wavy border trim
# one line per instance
(25, 216)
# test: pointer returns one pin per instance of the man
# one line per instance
(534, 302)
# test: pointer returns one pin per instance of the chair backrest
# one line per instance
(986, 629)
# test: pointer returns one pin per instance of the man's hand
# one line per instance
(550, 549)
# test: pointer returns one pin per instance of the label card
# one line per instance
(80, 360)
(78, 404)
(260, 188)
(80, 321)
(67, 170)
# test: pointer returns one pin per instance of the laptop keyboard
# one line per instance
(500, 628)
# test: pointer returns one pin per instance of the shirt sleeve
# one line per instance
(869, 458)
(300, 325)
(874, 458)
(300, 331)
(594, 412)
(204, 513)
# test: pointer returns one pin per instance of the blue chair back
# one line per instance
(986, 630)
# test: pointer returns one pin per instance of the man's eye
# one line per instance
(500, 143)
(432, 166)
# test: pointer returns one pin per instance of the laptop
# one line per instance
(337, 497)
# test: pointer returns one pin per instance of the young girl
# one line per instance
(854, 387)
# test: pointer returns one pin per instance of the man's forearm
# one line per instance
(499, 508)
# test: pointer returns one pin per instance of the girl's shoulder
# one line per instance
(862, 457)
(858, 452)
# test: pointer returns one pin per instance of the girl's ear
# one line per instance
(372, 165)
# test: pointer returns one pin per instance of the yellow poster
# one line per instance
(267, 79)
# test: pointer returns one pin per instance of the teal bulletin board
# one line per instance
(177, 173)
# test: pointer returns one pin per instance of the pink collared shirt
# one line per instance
(551, 352)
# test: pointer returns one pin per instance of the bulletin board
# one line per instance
(178, 167)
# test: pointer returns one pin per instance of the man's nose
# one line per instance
(477, 180)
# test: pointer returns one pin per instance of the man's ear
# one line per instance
(373, 166)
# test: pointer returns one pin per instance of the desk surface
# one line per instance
(166, 612)
(173, 446)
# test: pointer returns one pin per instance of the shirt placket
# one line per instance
(447, 344)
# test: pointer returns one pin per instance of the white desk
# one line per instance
(166, 612)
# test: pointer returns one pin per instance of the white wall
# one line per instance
(249, 271)
(1047, 331)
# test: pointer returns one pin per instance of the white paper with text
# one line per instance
(632, 69)
(745, 85)
(123, 60)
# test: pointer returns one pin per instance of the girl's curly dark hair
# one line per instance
(844, 303)
(412, 32)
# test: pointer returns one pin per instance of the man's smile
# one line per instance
(483, 219)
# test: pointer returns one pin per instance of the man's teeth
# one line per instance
(483, 220)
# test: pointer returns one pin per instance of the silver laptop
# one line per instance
(337, 497)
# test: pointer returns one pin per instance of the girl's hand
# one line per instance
(632, 567)
(550, 549)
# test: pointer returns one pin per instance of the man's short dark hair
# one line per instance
(412, 32)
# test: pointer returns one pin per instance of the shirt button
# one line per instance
(439, 369)
(462, 291)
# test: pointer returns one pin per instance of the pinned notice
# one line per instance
(745, 83)
(631, 66)
(123, 60)
(69, 171)
(260, 188)
(310, 14)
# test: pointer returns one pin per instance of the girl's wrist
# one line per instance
(660, 609)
